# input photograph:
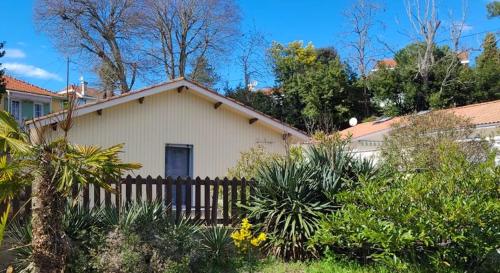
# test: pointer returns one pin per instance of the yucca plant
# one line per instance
(217, 243)
(293, 194)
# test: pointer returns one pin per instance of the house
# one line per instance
(27, 101)
(84, 94)
(385, 63)
(367, 137)
(177, 128)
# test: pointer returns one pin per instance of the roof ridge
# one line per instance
(30, 84)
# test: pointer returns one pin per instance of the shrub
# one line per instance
(292, 194)
(442, 218)
(250, 162)
(414, 140)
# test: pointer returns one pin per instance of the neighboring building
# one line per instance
(367, 137)
(385, 63)
(464, 57)
(26, 101)
(84, 94)
(178, 128)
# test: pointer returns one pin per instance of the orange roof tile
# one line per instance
(14, 84)
(479, 114)
(387, 63)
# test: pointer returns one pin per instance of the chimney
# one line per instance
(83, 86)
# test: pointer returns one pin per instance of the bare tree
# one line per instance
(423, 16)
(424, 19)
(105, 29)
(252, 56)
(181, 31)
(361, 16)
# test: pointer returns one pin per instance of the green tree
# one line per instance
(269, 104)
(316, 86)
(52, 169)
(493, 9)
(487, 71)
(401, 90)
(203, 72)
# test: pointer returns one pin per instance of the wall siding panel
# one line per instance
(218, 135)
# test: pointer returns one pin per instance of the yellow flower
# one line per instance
(255, 242)
(262, 236)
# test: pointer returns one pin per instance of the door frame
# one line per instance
(190, 166)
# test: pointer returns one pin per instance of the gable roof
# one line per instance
(170, 86)
(479, 114)
(13, 84)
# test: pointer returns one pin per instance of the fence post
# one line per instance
(234, 201)
(207, 200)
(97, 196)
(215, 201)
(168, 198)
(128, 189)
(243, 194)
(149, 188)
(225, 201)
(118, 195)
(107, 196)
(138, 188)
(86, 190)
(189, 193)
(159, 189)
(178, 199)
(197, 199)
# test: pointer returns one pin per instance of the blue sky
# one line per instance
(31, 56)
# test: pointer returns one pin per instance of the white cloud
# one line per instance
(14, 53)
(30, 71)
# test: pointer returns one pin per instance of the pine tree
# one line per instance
(488, 71)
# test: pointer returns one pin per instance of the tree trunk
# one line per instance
(50, 245)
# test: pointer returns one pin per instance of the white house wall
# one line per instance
(218, 135)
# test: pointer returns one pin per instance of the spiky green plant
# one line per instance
(293, 194)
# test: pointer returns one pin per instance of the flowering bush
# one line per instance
(243, 238)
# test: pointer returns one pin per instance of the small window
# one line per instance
(15, 109)
(38, 111)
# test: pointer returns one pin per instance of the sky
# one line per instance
(32, 56)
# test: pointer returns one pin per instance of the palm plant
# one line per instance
(52, 168)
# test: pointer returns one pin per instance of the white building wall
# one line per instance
(218, 135)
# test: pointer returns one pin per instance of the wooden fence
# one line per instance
(216, 201)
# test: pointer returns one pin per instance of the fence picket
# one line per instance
(234, 201)
(86, 196)
(149, 188)
(97, 196)
(225, 201)
(207, 200)
(128, 189)
(138, 188)
(159, 189)
(168, 198)
(243, 193)
(215, 201)
(178, 199)
(189, 192)
(197, 199)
